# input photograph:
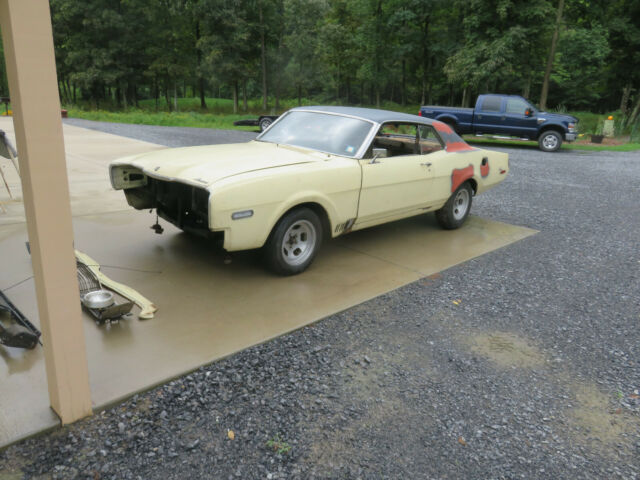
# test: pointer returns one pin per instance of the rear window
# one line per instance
(491, 104)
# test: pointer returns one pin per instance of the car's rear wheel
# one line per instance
(454, 213)
(294, 242)
(550, 141)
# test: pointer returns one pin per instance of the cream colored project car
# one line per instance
(315, 173)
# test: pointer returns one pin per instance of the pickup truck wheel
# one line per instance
(457, 208)
(294, 242)
(550, 141)
(264, 123)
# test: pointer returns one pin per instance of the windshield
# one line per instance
(319, 131)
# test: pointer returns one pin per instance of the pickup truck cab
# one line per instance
(508, 115)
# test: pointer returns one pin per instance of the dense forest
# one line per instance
(562, 54)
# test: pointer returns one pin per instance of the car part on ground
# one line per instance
(98, 301)
(147, 308)
(15, 329)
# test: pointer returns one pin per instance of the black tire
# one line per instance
(294, 242)
(549, 141)
(451, 215)
(264, 123)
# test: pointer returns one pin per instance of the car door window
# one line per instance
(491, 104)
(429, 140)
(516, 106)
(398, 139)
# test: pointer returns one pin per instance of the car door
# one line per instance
(398, 183)
(517, 123)
(488, 117)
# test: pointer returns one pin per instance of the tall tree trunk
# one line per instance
(348, 91)
(552, 56)
(465, 92)
(75, 98)
(299, 95)
(263, 54)
(635, 112)
(235, 96)
(245, 105)
(156, 92)
(626, 93)
(426, 57)
(166, 94)
(123, 91)
(338, 83)
(404, 83)
(526, 91)
(175, 95)
(203, 103)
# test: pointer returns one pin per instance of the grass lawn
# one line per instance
(173, 119)
(625, 147)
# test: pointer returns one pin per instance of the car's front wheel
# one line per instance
(294, 242)
(453, 214)
(550, 141)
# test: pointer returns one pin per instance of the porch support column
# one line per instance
(31, 71)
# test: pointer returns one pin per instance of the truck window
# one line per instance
(517, 106)
(491, 104)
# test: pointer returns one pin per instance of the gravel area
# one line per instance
(522, 363)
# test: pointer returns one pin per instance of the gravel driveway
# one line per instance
(522, 363)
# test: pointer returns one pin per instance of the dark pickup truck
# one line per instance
(508, 115)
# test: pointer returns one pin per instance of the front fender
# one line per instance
(252, 232)
(268, 195)
(558, 127)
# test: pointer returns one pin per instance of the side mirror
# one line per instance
(528, 112)
(380, 153)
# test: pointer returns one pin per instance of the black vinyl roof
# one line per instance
(371, 114)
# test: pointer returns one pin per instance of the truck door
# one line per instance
(488, 116)
(516, 122)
